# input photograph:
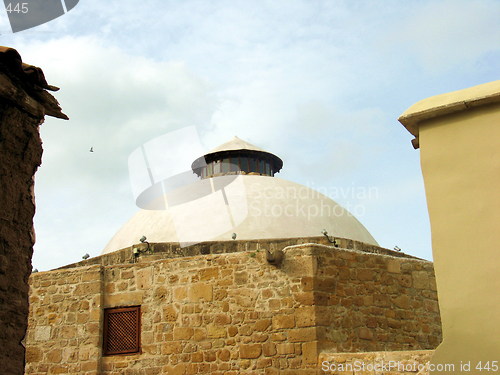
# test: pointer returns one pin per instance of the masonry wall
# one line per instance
(20, 155)
(64, 335)
(230, 313)
(369, 302)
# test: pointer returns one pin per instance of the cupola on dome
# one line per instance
(237, 157)
(237, 196)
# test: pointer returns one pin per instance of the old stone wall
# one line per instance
(371, 302)
(65, 322)
(24, 102)
(20, 155)
(174, 250)
(230, 313)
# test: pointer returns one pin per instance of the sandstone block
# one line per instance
(285, 348)
(302, 334)
(250, 351)
(209, 273)
(209, 356)
(310, 352)
(402, 302)
(262, 325)
(171, 348)
(54, 356)
(33, 354)
(305, 316)
(214, 331)
(394, 266)
(420, 280)
(42, 333)
(269, 349)
(200, 291)
(183, 333)
(197, 357)
(224, 355)
(365, 333)
(170, 313)
(365, 275)
(232, 331)
(180, 293)
(283, 321)
(222, 319)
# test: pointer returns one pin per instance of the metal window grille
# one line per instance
(122, 330)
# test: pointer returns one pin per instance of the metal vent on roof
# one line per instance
(122, 328)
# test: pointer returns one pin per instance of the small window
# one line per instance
(233, 166)
(244, 164)
(217, 165)
(122, 330)
(252, 165)
(268, 169)
(210, 169)
(225, 166)
(262, 169)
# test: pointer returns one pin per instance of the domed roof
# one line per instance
(251, 206)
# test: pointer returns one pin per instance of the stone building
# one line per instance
(230, 278)
(24, 102)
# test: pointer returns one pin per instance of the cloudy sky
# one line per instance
(319, 83)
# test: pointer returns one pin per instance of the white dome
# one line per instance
(253, 207)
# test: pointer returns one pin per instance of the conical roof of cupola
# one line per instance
(236, 144)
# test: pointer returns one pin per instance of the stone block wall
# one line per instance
(368, 302)
(228, 313)
(20, 155)
(64, 333)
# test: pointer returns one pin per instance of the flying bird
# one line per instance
(92, 149)
(397, 248)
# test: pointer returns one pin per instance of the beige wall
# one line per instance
(233, 313)
(460, 158)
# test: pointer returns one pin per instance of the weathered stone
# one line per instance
(199, 292)
(305, 316)
(283, 321)
(42, 333)
(170, 313)
(285, 348)
(250, 351)
(269, 349)
(302, 334)
(214, 331)
(262, 325)
(365, 333)
(183, 333)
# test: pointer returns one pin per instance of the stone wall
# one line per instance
(370, 302)
(65, 314)
(20, 155)
(230, 313)
(24, 102)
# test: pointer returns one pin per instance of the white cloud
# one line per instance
(450, 33)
